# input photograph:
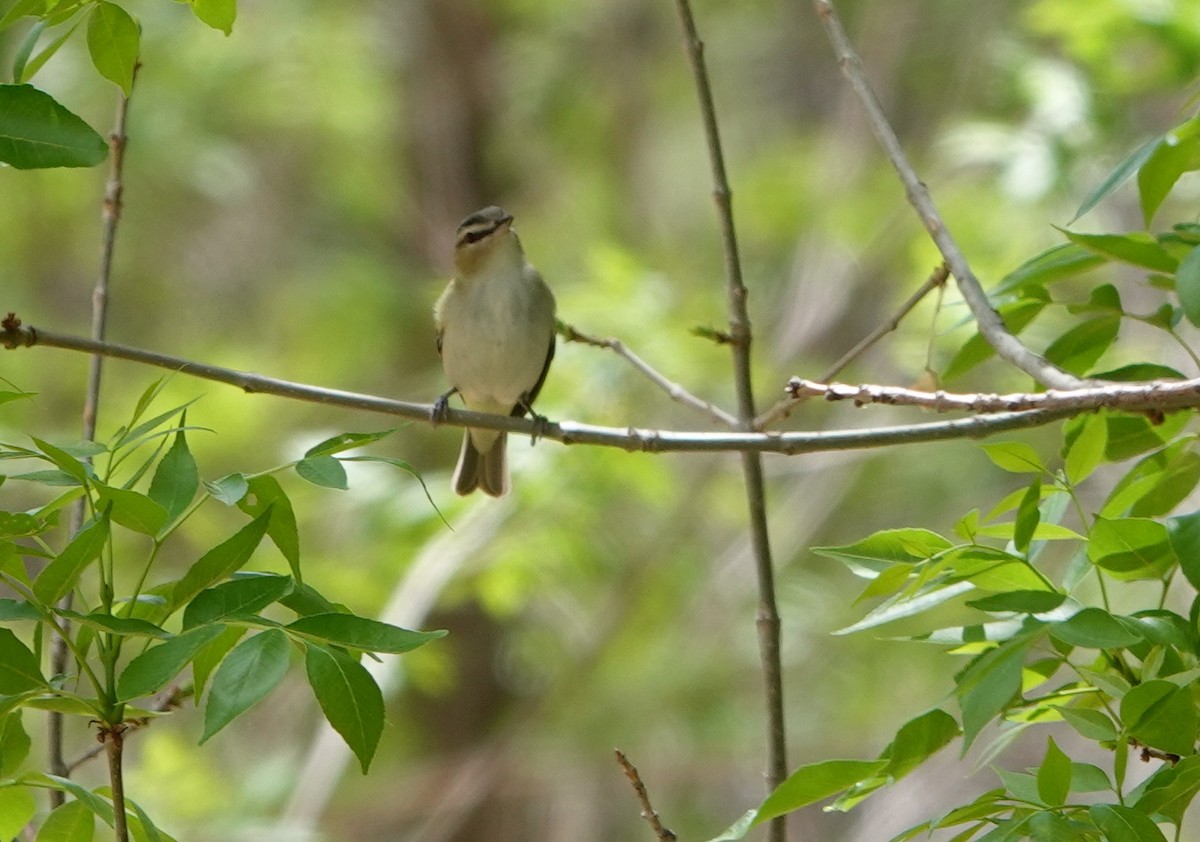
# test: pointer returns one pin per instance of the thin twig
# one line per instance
(643, 797)
(937, 279)
(739, 329)
(673, 390)
(1171, 396)
(1007, 346)
(110, 218)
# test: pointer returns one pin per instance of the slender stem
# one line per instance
(673, 389)
(115, 744)
(1007, 346)
(110, 217)
(936, 280)
(767, 619)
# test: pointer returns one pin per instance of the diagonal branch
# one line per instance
(674, 390)
(767, 621)
(661, 833)
(781, 409)
(990, 324)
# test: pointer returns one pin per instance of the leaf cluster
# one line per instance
(134, 634)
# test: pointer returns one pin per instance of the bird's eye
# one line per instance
(475, 236)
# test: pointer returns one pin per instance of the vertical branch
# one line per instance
(114, 742)
(740, 334)
(110, 216)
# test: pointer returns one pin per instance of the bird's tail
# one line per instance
(487, 471)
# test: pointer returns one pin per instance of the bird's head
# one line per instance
(479, 236)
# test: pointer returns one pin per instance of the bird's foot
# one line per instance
(440, 407)
(541, 426)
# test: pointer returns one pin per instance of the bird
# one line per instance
(495, 334)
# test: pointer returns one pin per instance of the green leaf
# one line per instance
(19, 670)
(1028, 516)
(1118, 176)
(150, 671)
(122, 626)
(1175, 153)
(917, 741)
(58, 577)
(1172, 790)
(1015, 457)
(1130, 548)
(988, 684)
(221, 561)
(228, 490)
(1129, 435)
(1184, 532)
(1158, 482)
(219, 14)
(1092, 724)
(1187, 285)
(210, 657)
(18, 10)
(60, 457)
(738, 829)
(1077, 350)
(1054, 776)
(1024, 602)
(176, 478)
(133, 510)
(1124, 824)
(1161, 714)
(1085, 449)
(99, 806)
(245, 677)
(14, 744)
(239, 597)
(17, 808)
(876, 552)
(347, 441)
(266, 493)
(34, 64)
(815, 782)
(324, 471)
(25, 50)
(69, 822)
(1088, 778)
(113, 39)
(360, 633)
(901, 606)
(1094, 628)
(349, 698)
(1138, 249)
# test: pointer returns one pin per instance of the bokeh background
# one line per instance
(291, 194)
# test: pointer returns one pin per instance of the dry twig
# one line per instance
(648, 812)
(673, 389)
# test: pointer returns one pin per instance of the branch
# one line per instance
(1155, 396)
(674, 390)
(15, 335)
(767, 620)
(782, 409)
(1007, 346)
(648, 812)
(110, 217)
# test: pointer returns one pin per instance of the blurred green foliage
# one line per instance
(290, 192)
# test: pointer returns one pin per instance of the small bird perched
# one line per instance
(495, 332)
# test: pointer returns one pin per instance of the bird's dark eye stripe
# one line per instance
(476, 235)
